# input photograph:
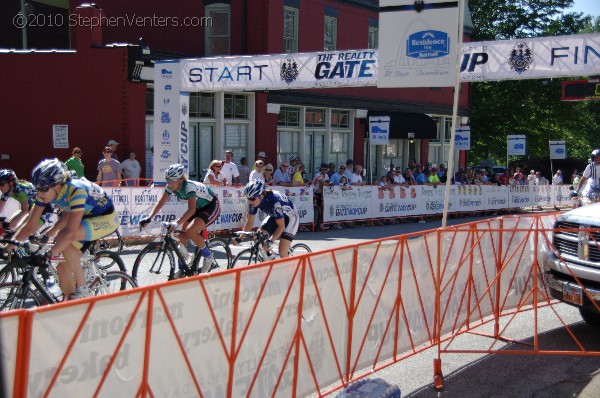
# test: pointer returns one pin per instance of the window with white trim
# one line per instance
(235, 106)
(236, 139)
(289, 116)
(330, 33)
(218, 29)
(202, 105)
(290, 29)
(373, 37)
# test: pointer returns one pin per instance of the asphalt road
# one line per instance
(481, 375)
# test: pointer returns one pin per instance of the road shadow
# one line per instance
(536, 376)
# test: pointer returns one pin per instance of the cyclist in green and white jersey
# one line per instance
(202, 209)
(20, 190)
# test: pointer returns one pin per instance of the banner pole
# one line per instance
(450, 168)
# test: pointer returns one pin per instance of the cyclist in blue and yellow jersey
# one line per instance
(282, 219)
(202, 209)
(88, 214)
(20, 190)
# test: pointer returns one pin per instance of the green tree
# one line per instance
(530, 107)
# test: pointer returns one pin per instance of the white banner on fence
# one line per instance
(347, 205)
(470, 198)
(543, 195)
(281, 71)
(395, 202)
(432, 199)
(496, 197)
(520, 196)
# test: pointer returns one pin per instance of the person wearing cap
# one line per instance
(337, 177)
(229, 168)
(349, 169)
(262, 156)
(293, 166)
(398, 178)
(321, 178)
(112, 144)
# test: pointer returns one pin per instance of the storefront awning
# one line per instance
(409, 125)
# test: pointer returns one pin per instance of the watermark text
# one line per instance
(21, 21)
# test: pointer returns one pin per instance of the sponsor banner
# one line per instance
(347, 205)
(417, 48)
(395, 202)
(531, 58)
(184, 137)
(516, 145)
(379, 130)
(496, 197)
(520, 196)
(234, 208)
(432, 199)
(562, 195)
(543, 195)
(462, 140)
(281, 71)
(558, 149)
(469, 198)
(167, 116)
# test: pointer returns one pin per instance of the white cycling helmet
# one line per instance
(49, 173)
(254, 189)
(174, 172)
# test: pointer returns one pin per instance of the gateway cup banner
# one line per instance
(281, 72)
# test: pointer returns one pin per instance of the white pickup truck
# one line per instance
(578, 244)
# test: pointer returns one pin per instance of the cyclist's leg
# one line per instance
(199, 221)
(292, 221)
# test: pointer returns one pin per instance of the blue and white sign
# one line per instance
(417, 43)
(516, 145)
(462, 140)
(379, 130)
(558, 149)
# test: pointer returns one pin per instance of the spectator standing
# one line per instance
(269, 180)
(336, 178)
(349, 169)
(257, 173)
(112, 144)
(574, 176)
(413, 165)
(281, 175)
(408, 177)
(557, 179)
(214, 175)
(109, 170)
(540, 179)
(531, 177)
(150, 164)
(331, 169)
(390, 174)
(244, 171)
(293, 168)
(433, 177)
(398, 179)
(422, 178)
(131, 170)
(321, 178)
(496, 180)
(357, 176)
(442, 171)
(576, 180)
(229, 169)
(262, 156)
(459, 177)
(75, 163)
(298, 178)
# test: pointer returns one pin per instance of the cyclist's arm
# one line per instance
(2, 205)
(20, 214)
(249, 222)
(159, 205)
(31, 226)
(67, 235)
(60, 224)
(582, 181)
(189, 212)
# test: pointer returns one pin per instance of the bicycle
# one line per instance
(23, 282)
(256, 253)
(158, 258)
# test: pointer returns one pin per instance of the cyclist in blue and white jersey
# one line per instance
(591, 176)
(88, 214)
(202, 209)
(282, 217)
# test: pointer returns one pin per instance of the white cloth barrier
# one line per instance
(358, 203)
(9, 340)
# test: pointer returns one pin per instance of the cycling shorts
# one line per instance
(98, 227)
(291, 225)
(208, 213)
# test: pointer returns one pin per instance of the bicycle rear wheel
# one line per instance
(12, 299)
(154, 264)
(109, 260)
(299, 249)
(113, 243)
(221, 252)
(247, 257)
(113, 281)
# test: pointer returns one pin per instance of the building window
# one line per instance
(448, 128)
(373, 37)
(150, 100)
(290, 29)
(340, 119)
(289, 116)
(202, 105)
(217, 29)
(330, 33)
(315, 117)
(236, 139)
(288, 145)
(236, 106)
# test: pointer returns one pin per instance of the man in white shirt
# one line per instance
(540, 179)
(131, 170)
(229, 168)
(557, 179)
(592, 173)
(398, 178)
(357, 176)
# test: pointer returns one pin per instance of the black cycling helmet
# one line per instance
(7, 175)
(595, 153)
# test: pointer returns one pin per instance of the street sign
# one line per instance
(558, 149)
(462, 139)
(379, 130)
(516, 145)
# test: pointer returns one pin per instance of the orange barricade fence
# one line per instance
(285, 328)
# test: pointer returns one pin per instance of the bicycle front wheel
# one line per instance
(247, 257)
(298, 249)
(222, 252)
(11, 297)
(154, 264)
(109, 260)
(112, 281)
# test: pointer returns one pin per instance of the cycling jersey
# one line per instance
(592, 171)
(22, 191)
(193, 189)
(274, 204)
(83, 195)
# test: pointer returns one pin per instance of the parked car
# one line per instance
(578, 260)
(500, 170)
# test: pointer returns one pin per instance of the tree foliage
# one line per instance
(529, 107)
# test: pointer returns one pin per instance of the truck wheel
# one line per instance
(590, 317)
